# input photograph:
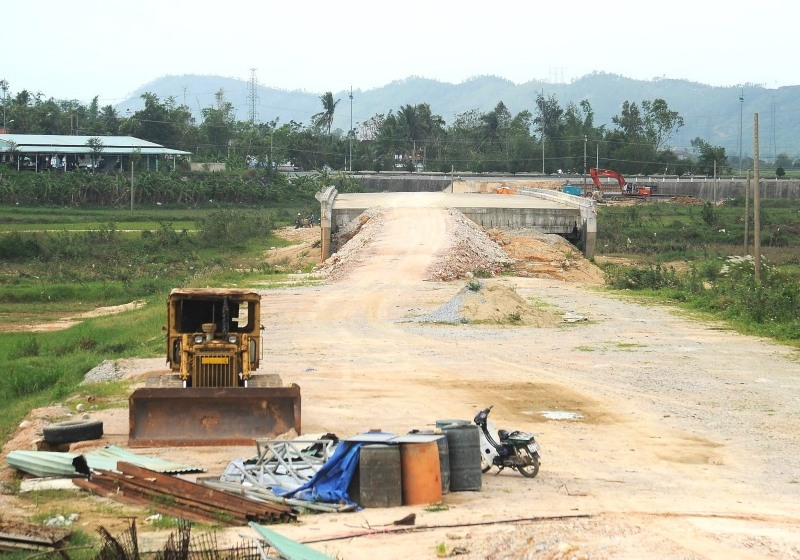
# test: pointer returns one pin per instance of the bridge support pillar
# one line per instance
(589, 233)
(326, 198)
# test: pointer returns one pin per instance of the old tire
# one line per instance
(73, 431)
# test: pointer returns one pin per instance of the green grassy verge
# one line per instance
(42, 368)
(48, 276)
(695, 256)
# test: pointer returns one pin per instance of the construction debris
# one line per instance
(181, 545)
(282, 465)
(182, 498)
(287, 548)
(287, 464)
(257, 492)
(19, 536)
(65, 464)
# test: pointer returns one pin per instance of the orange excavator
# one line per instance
(628, 189)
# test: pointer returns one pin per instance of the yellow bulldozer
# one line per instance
(215, 394)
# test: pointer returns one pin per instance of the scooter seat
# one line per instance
(503, 434)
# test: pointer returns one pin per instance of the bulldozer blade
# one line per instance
(164, 417)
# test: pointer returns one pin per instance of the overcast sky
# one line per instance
(86, 48)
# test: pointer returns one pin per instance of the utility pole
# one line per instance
(4, 87)
(132, 184)
(542, 152)
(741, 140)
(351, 129)
(747, 215)
(715, 182)
(542, 110)
(756, 204)
(585, 139)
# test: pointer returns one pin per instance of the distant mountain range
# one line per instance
(715, 114)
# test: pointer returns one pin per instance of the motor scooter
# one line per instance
(516, 450)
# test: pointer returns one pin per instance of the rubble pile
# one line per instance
(350, 241)
(471, 250)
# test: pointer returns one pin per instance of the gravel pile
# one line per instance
(108, 370)
(451, 313)
(114, 370)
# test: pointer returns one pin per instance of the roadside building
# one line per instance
(61, 152)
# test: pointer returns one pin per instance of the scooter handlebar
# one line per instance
(480, 418)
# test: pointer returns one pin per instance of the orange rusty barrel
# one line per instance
(444, 457)
(421, 474)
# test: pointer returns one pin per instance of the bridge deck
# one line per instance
(441, 200)
(546, 211)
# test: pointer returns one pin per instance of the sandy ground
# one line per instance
(683, 441)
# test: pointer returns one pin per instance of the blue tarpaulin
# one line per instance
(331, 481)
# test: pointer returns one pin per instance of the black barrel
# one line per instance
(379, 479)
(464, 448)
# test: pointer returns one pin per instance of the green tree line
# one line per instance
(551, 138)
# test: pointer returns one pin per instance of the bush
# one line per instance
(708, 214)
(16, 247)
(728, 288)
(25, 348)
(233, 227)
(654, 277)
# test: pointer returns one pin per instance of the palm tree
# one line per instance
(325, 118)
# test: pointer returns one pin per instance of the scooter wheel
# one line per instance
(530, 471)
(531, 467)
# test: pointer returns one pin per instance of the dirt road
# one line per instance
(685, 442)
(680, 439)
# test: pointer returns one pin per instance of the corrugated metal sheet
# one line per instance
(43, 463)
(372, 437)
(52, 463)
(85, 150)
(110, 454)
(68, 140)
(65, 144)
(416, 438)
(292, 550)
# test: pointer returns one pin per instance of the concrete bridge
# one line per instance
(549, 211)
